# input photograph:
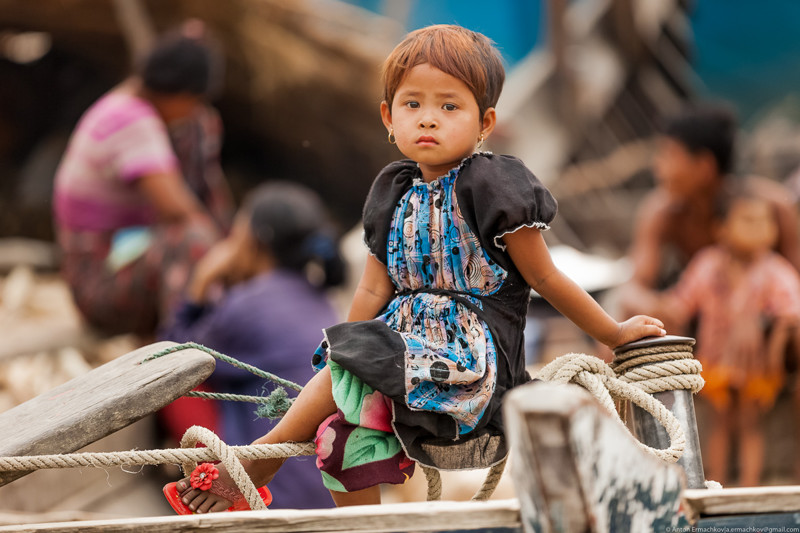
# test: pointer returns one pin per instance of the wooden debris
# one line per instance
(577, 469)
(744, 500)
(29, 253)
(96, 404)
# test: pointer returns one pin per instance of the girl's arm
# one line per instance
(529, 252)
(373, 292)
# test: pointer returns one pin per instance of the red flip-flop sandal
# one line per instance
(202, 478)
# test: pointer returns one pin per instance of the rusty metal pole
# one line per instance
(680, 402)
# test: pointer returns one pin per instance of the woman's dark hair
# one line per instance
(290, 222)
(706, 127)
(181, 63)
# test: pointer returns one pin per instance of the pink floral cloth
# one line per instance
(727, 305)
(356, 446)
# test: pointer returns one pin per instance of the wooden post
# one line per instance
(577, 469)
(558, 40)
(136, 25)
(100, 402)
(648, 430)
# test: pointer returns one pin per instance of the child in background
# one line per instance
(434, 336)
(269, 316)
(693, 164)
(747, 300)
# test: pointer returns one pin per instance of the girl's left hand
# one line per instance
(636, 328)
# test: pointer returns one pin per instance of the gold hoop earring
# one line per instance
(480, 140)
(392, 140)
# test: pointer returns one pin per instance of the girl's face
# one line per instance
(750, 227)
(436, 120)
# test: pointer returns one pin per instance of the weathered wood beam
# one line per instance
(577, 469)
(744, 500)
(100, 402)
(497, 516)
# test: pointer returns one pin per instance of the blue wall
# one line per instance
(745, 51)
(515, 25)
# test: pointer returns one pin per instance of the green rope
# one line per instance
(227, 359)
(276, 406)
(226, 397)
(273, 406)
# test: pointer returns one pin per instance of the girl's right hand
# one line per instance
(637, 328)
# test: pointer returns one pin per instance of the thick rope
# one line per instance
(490, 483)
(232, 464)
(669, 367)
(660, 368)
(434, 479)
(26, 463)
(493, 476)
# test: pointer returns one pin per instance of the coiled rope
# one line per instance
(633, 376)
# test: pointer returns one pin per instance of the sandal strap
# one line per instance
(231, 494)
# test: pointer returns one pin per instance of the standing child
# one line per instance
(434, 335)
(746, 298)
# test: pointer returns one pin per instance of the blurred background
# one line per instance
(588, 83)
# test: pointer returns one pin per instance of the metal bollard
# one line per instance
(680, 402)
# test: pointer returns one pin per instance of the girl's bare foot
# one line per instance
(218, 498)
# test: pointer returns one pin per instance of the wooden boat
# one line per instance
(574, 466)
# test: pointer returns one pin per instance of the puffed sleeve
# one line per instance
(385, 193)
(497, 195)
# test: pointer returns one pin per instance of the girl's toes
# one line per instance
(213, 504)
(219, 506)
(190, 495)
(195, 503)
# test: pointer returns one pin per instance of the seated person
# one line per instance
(129, 225)
(270, 315)
(693, 164)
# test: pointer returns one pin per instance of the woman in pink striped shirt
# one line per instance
(133, 208)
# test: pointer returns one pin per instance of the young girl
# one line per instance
(455, 246)
(746, 298)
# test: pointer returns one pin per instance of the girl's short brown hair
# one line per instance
(464, 54)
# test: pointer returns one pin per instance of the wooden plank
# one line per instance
(743, 500)
(498, 516)
(36, 254)
(762, 522)
(26, 338)
(100, 402)
(578, 469)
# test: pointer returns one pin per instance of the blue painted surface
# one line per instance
(750, 522)
(515, 25)
(745, 52)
